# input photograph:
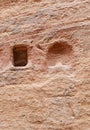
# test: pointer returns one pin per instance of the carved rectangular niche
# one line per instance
(20, 56)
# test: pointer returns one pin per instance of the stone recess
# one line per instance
(49, 89)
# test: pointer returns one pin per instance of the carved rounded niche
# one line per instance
(59, 52)
(20, 57)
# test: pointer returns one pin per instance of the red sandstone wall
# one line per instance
(52, 91)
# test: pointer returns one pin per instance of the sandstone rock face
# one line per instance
(45, 65)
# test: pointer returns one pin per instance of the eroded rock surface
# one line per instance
(50, 90)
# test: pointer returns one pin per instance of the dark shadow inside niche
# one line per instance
(59, 52)
(20, 57)
(37, 0)
(60, 48)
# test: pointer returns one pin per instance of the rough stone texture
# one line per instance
(52, 92)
